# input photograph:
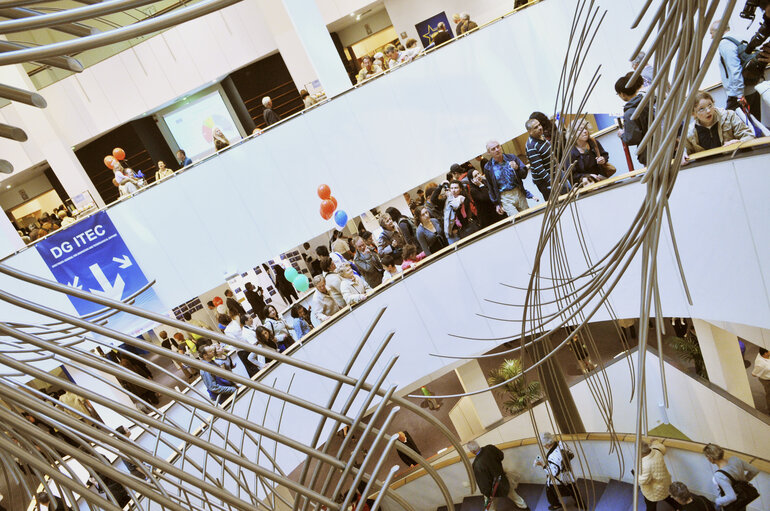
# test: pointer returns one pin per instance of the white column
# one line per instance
(10, 241)
(472, 378)
(724, 363)
(45, 141)
(306, 32)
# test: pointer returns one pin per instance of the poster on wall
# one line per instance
(427, 29)
(90, 255)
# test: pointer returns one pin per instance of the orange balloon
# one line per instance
(327, 209)
(324, 192)
(109, 160)
(218, 300)
(119, 154)
(334, 201)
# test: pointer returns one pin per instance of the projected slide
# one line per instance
(193, 125)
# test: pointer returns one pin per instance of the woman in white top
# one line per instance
(163, 171)
(126, 184)
(279, 328)
(354, 289)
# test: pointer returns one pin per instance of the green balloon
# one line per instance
(290, 273)
(301, 283)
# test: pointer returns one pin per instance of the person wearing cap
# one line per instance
(488, 471)
(560, 481)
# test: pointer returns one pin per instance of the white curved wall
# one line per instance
(494, 68)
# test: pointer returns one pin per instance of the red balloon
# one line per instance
(324, 192)
(109, 160)
(119, 154)
(217, 301)
(334, 201)
(327, 209)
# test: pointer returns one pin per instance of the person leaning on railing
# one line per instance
(688, 501)
(219, 388)
(714, 127)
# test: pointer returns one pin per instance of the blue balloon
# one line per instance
(341, 218)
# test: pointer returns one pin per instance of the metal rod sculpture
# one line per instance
(62, 340)
(227, 478)
(675, 38)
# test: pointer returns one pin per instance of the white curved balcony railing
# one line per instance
(684, 460)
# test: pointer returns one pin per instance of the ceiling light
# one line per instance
(352, 14)
(358, 18)
(7, 186)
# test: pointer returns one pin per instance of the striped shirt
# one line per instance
(539, 155)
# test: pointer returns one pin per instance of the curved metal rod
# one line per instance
(405, 403)
(117, 35)
(69, 15)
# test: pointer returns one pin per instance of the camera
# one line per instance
(750, 9)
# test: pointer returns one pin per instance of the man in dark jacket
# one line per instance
(256, 299)
(232, 304)
(405, 438)
(488, 468)
(269, 114)
(633, 130)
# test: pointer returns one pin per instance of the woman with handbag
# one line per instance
(589, 160)
(731, 479)
(278, 328)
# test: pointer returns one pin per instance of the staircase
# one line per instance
(611, 496)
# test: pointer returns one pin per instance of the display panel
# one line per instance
(192, 126)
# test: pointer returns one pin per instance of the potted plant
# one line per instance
(518, 393)
(688, 349)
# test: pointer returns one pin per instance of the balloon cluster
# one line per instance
(298, 280)
(328, 205)
(113, 160)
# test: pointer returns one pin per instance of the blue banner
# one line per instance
(428, 28)
(90, 255)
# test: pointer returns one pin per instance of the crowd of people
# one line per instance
(731, 478)
(45, 224)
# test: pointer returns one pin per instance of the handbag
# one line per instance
(605, 169)
(745, 493)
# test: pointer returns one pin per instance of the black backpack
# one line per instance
(752, 70)
(745, 493)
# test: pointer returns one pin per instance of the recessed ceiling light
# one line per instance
(352, 14)
(7, 186)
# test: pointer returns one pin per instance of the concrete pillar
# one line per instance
(10, 241)
(472, 378)
(305, 45)
(724, 363)
(44, 134)
(311, 29)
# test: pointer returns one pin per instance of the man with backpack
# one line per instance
(490, 476)
(738, 85)
(560, 481)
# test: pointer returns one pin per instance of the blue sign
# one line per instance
(428, 28)
(90, 255)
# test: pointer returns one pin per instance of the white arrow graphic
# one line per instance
(114, 291)
(75, 284)
(124, 261)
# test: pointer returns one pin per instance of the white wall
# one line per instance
(10, 198)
